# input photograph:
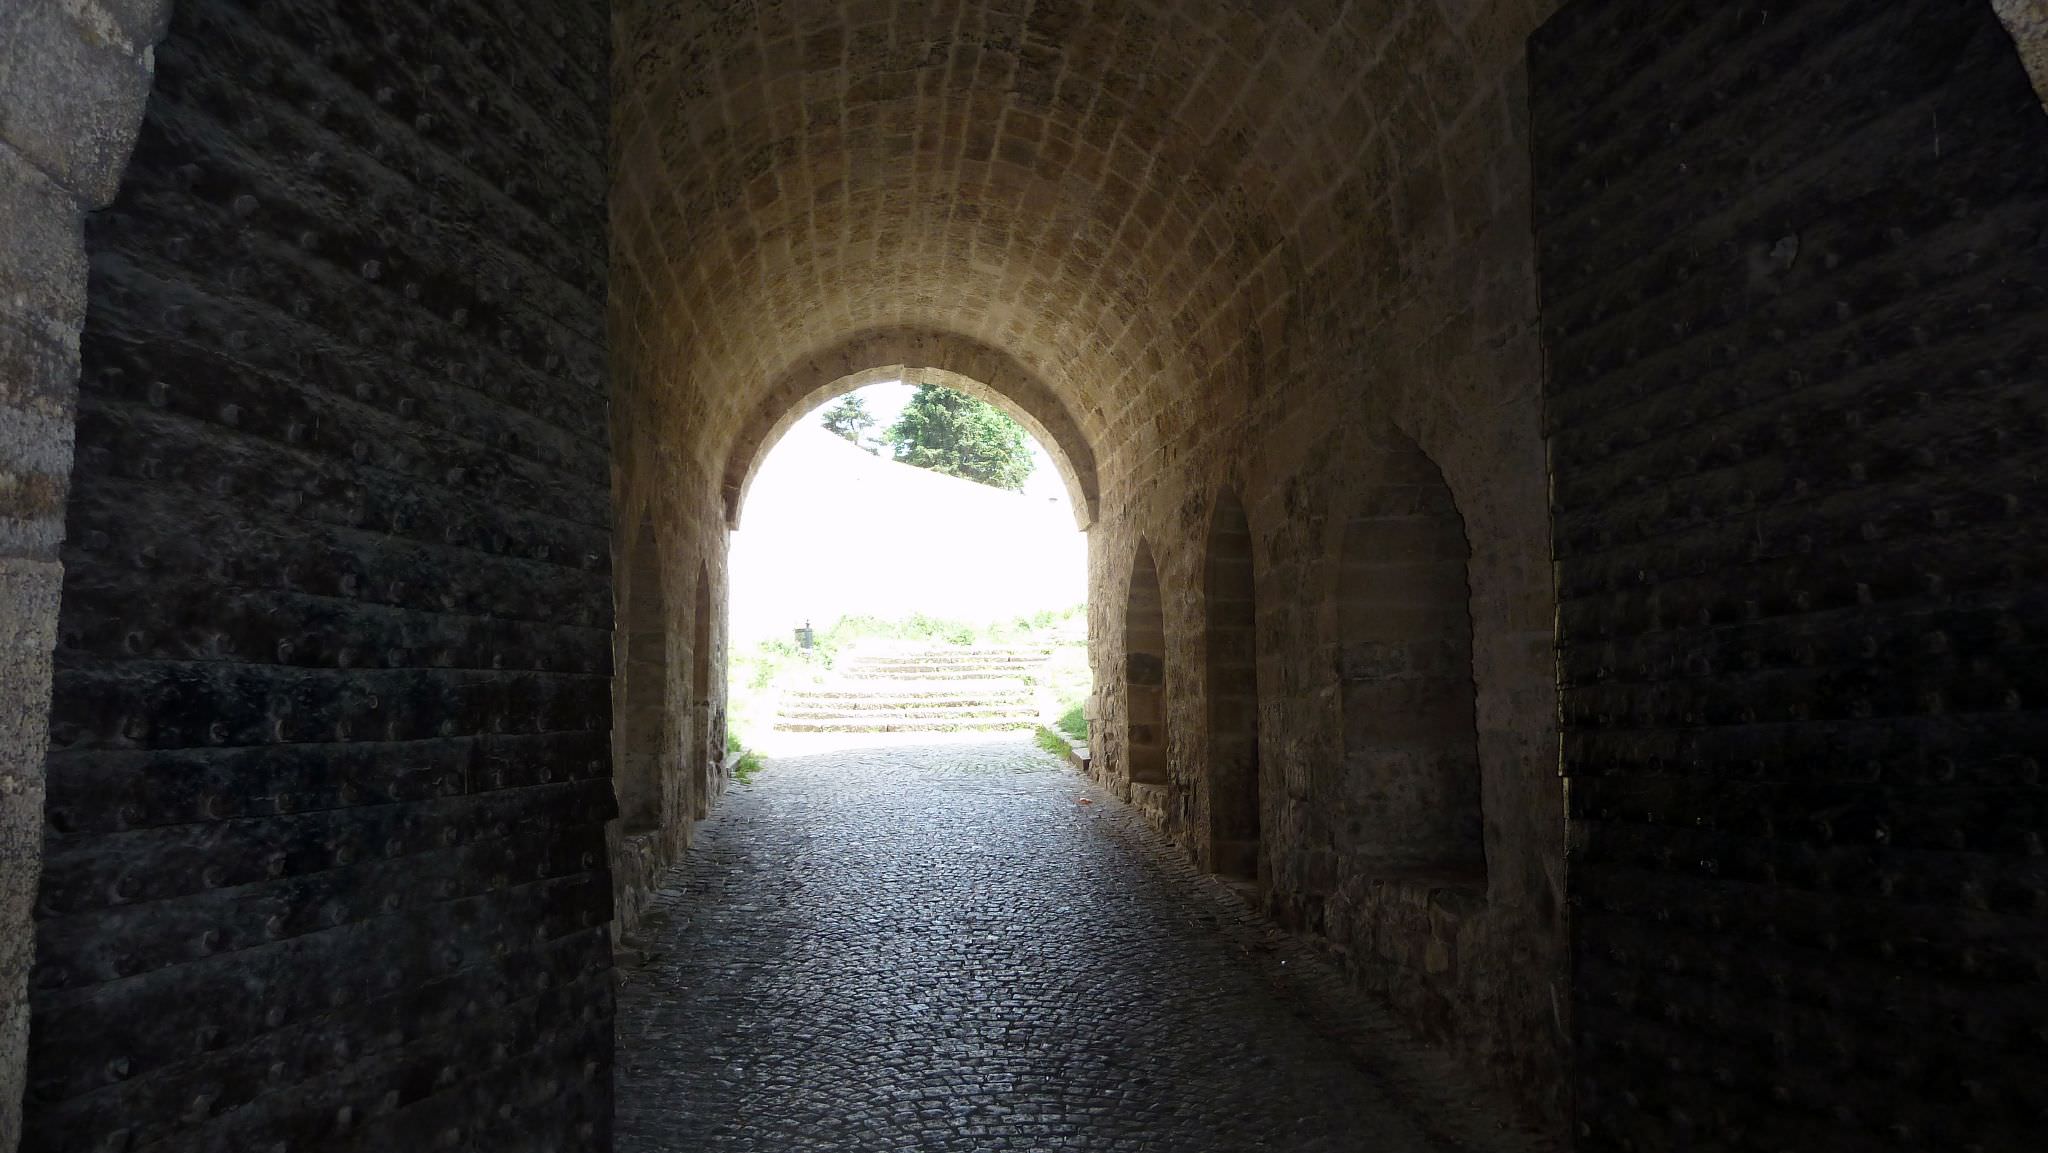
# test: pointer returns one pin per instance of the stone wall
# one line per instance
(73, 77)
(677, 714)
(1407, 312)
(329, 763)
(1795, 283)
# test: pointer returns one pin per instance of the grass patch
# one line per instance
(749, 764)
(1074, 723)
(1051, 742)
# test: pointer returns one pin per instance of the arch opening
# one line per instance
(909, 569)
(931, 504)
(642, 751)
(1145, 673)
(1232, 683)
(913, 357)
(1410, 731)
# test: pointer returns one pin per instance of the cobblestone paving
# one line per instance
(966, 947)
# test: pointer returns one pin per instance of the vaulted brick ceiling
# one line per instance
(1116, 194)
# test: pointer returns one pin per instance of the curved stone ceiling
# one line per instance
(1116, 194)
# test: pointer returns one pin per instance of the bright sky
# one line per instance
(830, 530)
(885, 403)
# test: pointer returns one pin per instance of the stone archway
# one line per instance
(1144, 257)
(914, 357)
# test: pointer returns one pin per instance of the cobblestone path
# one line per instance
(943, 948)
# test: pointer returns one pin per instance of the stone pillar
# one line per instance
(73, 78)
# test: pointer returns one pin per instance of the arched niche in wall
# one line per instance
(704, 750)
(643, 680)
(1411, 752)
(1145, 672)
(1232, 683)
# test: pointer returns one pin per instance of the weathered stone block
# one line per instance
(38, 375)
(28, 631)
(2027, 21)
(28, 619)
(42, 250)
(71, 97)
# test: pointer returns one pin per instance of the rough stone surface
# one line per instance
(329, 764)
(966, 947)
(72, 80)
(1797, 312)
(669, 747)
(75, 75)
(2027, 22)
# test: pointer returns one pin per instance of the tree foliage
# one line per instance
(850, 418)
(950, 432)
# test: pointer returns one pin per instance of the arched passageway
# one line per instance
(312, 539)
(1231, 638)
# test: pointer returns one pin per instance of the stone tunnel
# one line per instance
(1564, 486)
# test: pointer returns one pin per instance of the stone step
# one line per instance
(858, 667)
(847, 684)
(947, 658)
(930, 673)
(964, 709)
(958, 650)
(890, 698)
(897, 725)
(919, 690)
(1016, 656)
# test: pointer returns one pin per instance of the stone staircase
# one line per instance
(937, 688)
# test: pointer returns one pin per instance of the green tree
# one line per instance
(953, 433)
(850, 418)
